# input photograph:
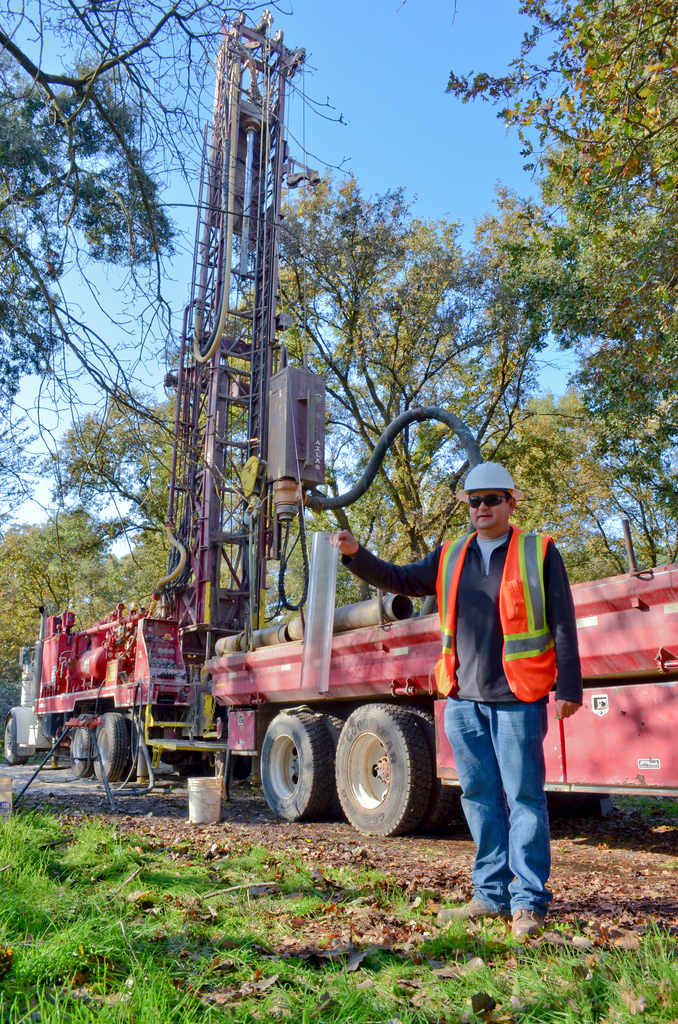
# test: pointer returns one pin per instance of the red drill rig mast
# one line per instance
(219, 504)
(140, 671)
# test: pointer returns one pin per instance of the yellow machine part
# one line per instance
(252, 476)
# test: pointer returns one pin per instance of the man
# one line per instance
(509, 631)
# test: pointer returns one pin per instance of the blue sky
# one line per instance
(385, 71)
(383, 66)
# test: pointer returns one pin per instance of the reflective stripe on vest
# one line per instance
(451, 560)
(529, 656)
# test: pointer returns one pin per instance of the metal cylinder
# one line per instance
(394, 608)
(267, 637)
(286, 498)
(229, 645)
(628, 540)
(30, 687)
(93, 664)
(247, 202)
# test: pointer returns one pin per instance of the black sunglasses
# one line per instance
(475, 500)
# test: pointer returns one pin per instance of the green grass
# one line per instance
(664, 808)
(82, 950)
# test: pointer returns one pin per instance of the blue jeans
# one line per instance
(499, 753)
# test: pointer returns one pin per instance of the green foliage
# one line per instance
(599, 259)
(390, 310)
(74, 188)
(116, 464)
(100, 103)
(604, 94)
(579, 492)
(67, 564)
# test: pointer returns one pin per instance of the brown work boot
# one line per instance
(526, 922)
(469, 912)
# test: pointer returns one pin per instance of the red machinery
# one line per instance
(147, 666)
(249, 451)
(622, 741)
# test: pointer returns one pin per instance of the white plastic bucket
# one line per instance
(5, 797)
(204, 800)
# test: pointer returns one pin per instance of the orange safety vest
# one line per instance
(529, 656)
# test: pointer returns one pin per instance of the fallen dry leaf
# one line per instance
(623, 938)
(143, 898)
(636, 1004)
(6, 959)
(482, 1004)
(450, 971)
(354, 961)
(458, 970)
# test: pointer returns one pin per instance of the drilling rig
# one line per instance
(200, 676)
(146, 665)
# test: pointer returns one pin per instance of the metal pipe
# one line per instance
(316, 500)
(394, 608)
(230, 161)
(268, 637)
(34, 693)
(247, 202)
(628, 540)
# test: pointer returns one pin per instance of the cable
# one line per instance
(284, 561)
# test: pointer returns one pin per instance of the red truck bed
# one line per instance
(625, 735)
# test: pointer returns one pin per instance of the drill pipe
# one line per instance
(395, 607)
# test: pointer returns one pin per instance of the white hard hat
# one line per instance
(486, 476)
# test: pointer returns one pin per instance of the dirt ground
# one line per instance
(621, 867)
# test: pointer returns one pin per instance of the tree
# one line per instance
(393, 313)
(116, 464)
(598, 115)
(66, 563)
(98, 102)
(578, 490)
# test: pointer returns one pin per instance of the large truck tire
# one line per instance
(296, 767)
(11, 755)
(82, 753)
(334, 725)
(383, 770)
(113, 740)
(445, 801)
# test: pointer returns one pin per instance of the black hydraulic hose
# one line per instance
(283, 601)
(417, 414)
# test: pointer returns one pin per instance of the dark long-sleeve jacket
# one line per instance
(479, 636)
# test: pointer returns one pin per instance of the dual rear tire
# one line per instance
(383, 779)
(295, 758)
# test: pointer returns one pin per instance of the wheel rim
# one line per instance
(284, 767)
(9, 739)
(369, 771)
(80, 745)
(102, 740)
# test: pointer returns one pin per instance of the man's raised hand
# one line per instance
(345, 541)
